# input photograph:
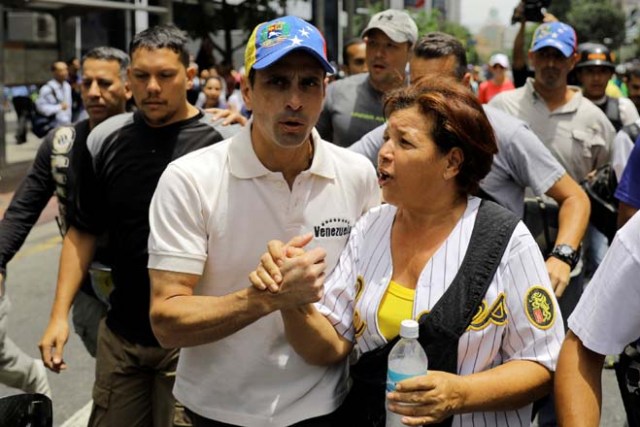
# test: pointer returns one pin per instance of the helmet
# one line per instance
(595, 54)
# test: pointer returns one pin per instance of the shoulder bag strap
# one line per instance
(491, 234)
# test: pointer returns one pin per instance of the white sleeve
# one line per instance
(535, 330)
(340, 288)
(628, 111)
(620, 151)
(178, 237)
(532, 162)
(607, 318)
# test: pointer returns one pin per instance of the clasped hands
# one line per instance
(293, 275)
(289, 268)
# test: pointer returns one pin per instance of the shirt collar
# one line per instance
(569, 107)
(244, 164)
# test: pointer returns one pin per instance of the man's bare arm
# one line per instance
(78, 248)
(578, 387)
(573, 218)
(181, 319)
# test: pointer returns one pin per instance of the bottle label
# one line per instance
(394, 377)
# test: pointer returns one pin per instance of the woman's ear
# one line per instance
(455, 159)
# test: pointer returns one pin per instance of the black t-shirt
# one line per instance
(128, 158)
(61, 155)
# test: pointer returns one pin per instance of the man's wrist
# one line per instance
(566, 254)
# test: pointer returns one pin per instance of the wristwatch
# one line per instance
(566, 253)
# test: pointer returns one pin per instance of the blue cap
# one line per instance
(557, 35)
(272, 40)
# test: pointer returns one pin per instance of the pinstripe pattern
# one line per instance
(522, 266)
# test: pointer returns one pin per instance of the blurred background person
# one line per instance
(212, 89)
(594, 70)
(55, 97)
(499, 82)
(353, 106)
(354, 57)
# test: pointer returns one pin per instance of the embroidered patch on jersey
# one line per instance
(63, 139)
(496, 314)
(359, 325)
(539, 307)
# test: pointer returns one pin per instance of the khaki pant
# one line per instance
(133, 385)
(88, 311)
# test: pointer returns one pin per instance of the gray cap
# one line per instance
(396, 24)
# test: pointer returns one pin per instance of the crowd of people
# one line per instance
(239, 248)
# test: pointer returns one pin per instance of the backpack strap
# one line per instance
(53, 92)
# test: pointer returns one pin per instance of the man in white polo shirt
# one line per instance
(211, 216)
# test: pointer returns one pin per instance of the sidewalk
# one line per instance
(19, 158)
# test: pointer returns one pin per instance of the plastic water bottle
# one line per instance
(406, 360)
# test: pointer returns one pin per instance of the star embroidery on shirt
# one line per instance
(295, 41)
(304, 32)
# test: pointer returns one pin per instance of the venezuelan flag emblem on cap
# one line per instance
(272, 40)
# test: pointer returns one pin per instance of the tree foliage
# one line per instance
(560, 9)
(428, 22)
(598, 21)
(210, 16)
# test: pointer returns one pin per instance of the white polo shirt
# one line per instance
(607, 318)
(213, 213)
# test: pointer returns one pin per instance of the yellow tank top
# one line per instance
(396, 306)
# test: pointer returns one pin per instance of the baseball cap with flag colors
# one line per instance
(555, 34)
(272, 40)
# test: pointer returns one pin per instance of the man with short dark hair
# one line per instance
(211, 217)
(353, 106)
(134, 375)
(354, 57)
(55, 170)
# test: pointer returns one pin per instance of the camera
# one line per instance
(530, 10)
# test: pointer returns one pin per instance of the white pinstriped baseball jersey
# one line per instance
(518, 319)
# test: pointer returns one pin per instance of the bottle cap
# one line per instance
(409, 329)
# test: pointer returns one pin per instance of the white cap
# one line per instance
(409, 329)
(500, 59)
(398, 25)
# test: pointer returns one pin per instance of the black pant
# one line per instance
(323, 421)
(22, 105)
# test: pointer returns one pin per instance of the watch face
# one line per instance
(565, 250)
